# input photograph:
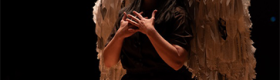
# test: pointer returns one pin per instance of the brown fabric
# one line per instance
(138, 54)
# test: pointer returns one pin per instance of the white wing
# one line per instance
(105, 14)
(211, 56)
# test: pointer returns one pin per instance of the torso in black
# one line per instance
(140, 59)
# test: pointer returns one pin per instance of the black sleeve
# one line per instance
(181, 30)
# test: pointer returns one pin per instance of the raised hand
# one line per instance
(125, 29)
(145, 25)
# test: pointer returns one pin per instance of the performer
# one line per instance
(211, 36)
(151, 38)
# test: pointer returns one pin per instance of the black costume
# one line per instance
(140, 59)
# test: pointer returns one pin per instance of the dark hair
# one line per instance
(165, 9)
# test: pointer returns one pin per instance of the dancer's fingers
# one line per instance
(153, 14)
(138, 15)
(133, 18)
(132, 22)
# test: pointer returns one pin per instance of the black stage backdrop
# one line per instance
(56, 40)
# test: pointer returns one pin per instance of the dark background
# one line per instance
(56, 40)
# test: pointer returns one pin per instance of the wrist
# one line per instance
(151, 32)
(118, 37)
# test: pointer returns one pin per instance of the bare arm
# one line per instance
(112, 51)
(173, 55)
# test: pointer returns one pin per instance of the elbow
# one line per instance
(180, 60)
(109, 60)
(178, 66)
(108, 64)
(179, 63)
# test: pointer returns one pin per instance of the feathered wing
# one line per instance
(105, 14)
(221, 47)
